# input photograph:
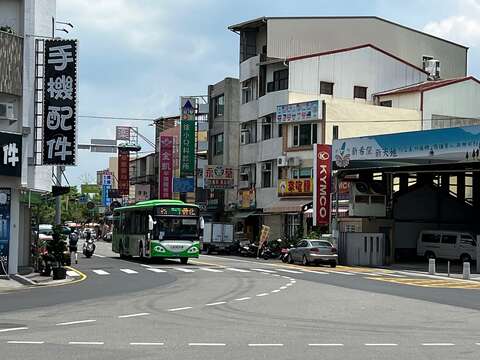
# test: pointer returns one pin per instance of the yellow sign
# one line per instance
(295, 187)
(264, 234)
(246, 199)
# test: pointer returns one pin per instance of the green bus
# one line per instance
(157, 228)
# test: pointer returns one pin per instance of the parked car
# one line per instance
(312, 251)
(448, 245)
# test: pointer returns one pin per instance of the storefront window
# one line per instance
(293, 225)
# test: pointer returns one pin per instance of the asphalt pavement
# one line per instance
(239, 308)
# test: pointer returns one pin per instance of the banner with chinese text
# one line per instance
(187, 137)
(59, 142)
(295, 187)
(322, 170)
(165, 167)
(124, 172)
(218, 177)
(10, 154)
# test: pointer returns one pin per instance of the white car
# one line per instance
(449, 245)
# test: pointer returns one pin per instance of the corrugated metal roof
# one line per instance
(425, 86)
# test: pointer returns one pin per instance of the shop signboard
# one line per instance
(165, 167)
(295, 187)
(246, 199)
(59, 142)
(264, 235)
(187, 137)
(124, 172)
(322, 168)
(218, 177)
(5, 199)
(106, 185)
(438, 146)
(90, 189)
(299, 112)
(122, 133)
(10, 154)
(183, 185)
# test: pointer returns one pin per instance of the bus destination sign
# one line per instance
(177, 211)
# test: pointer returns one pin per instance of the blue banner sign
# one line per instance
(183, 185)
(5, 199)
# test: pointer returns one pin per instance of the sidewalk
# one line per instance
(17, 282)
(441, 267)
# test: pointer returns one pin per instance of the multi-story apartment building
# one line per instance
(338, 63)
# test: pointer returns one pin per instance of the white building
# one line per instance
(341, 62)
(27, 19)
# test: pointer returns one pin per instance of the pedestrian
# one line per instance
(72, 245)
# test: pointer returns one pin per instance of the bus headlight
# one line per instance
(159, 249)
(193, 250)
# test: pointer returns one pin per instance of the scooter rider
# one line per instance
(72, 245)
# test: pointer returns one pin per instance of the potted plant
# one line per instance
(56, 251)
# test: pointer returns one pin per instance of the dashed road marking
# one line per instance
(185, 270)
(265, 271)
(147, 344)
(155, 270)
(145, 265)
(438, 344)
(14, 329)
(216, 303)
(381, 344)
(238, 270)
(101, 272)
(262, 294)
(341, 272)
(181, 308)
(212, 270)
(243, 298)
(99, 256)
(86, 343)
(283, 287)
(25, 342)
(325, 344)
(129, 271)
(275, 291)
(290, 271)
(260, 345)
(207, 344)
(133, 315)
(76, 322)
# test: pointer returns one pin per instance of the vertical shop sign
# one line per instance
(5, 196)
(122, 133)
(165, 167)
(123, 172)
(322, 168)
(59, 141)
(187, 137)
(106, 186)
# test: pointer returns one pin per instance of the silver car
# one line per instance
(311, 251)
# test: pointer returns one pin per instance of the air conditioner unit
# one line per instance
(245, 137)
(433, 68)
(6, 111)
(294, 161)
(282, 161)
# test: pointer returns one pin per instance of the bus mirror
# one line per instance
(150, 223)
(202, 223)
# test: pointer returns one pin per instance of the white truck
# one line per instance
(218, 237)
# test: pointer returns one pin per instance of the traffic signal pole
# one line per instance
(58, 199)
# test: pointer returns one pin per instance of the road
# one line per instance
(238, 308)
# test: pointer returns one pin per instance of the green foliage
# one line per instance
(313, 235)
(57, 246)
(72, 210)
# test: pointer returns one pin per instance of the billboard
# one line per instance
(183, 185)
(439, 146)
(122, 133)
(59, 142)
(218, 177)
(10, 154)
(295, 187)
(322, 169)
(187, 137)
(304, 111)
(165, 167)
(123, 172)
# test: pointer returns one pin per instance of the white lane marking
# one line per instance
(275, 291)
(325, 344)
(262, 294)
(290, 271)
(146, 344)
(99, 256)
(438, 344)
(394, 275)
(264, 270)
(293, 282)
(86, 343)
(133, 315)
(145, 265)
(315, 272)
(381, 344)
(216, 303)
(243, 299)
(206, 344)
(14, 329)
(258, 345)
(276, 275)
(238, 270)
(75, 322)
(72, 273)
(180, 309)
(129, 271)
(25, 342)
(211, 270)
(477, 344)
(185, 270)
(155, 270)
(283, 287)
(289, 284)
(341, 272)
(101, 272)
(285, 277)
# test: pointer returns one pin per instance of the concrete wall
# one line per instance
(303, 36)
(410, 101)
(276, 225)
(11, 14)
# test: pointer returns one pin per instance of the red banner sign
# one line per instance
(322, 167)
(165, 167)
(123, 172)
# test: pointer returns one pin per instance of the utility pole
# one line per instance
(58, 199)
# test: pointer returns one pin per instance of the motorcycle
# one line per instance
(88, 248)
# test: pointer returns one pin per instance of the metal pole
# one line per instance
(58, 199)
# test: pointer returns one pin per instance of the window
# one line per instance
(304, 134)
(449, 239)
(218, 105)
(359, 92)
(280, 130)
(249, 90)
(431, 238)
(247, 173)
(218, 144)
(335, 132)
(386, 103)
(280, 81)
(362, 199)
(301, 173)
(248, 44)
(249, 132)
(467, 240)
(267, 128)
(267, 174)
(326, 88)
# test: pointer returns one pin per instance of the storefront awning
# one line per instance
(245, 214)
(287, 206)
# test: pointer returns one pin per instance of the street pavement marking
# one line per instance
(264, 270)
(180, 309)
(146, 265)
(431, 283)
(211, 270)
(283, 287)
(14, 329)
(289, 284)
(155, 270)
(86, 343)
(133, 315)
(216, 303)
(185, 270)
(262, 294)
(129, 271)
(72, 273)
(75, 322)
(99, 256)
(243, 299)
(438, 344)
(147, 344)
(381, 344)
(101, 272)
(25, 342)
(290, 271)
(238, 270)
(259, 345)
(341, 272)
(275, 291)
(207, 344)
(323, 344)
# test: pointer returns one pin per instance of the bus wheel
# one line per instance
(184, 260)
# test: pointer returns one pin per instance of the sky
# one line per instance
(137, 57)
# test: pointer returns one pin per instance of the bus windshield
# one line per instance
(172, 228)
